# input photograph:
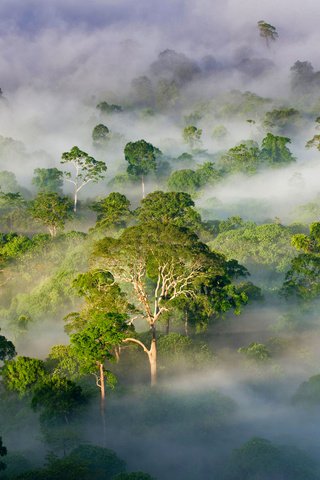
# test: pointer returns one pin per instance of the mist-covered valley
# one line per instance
(160, 240)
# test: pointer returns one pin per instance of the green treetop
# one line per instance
(142, 159)
(51, 210)
(86, 169)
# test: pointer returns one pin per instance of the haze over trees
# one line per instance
(166, 325)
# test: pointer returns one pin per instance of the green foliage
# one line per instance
(185, 180)
(8, 182)
(51, 210)
(169, 207)
(100, 135)
(23, 374)
(85, 462)
(87, 169)
(267, 32)
(108, 108)
(274, 151)
(308, 393)
(192, 136)
(96, 341)
(58, 399)
(268, 245)
(7, 349)
(260, 459)
(48, 180)
(141, 157)
(302, 280)
(113, 211)
(256, 351)
(13, 211)
(243, 158)
(282, 120)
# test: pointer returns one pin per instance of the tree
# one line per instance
(308, 393)
(302, 280)
(95, 344)
(185, 180)
(7, 349)
(160, 263)
(23, 374)
(12, 210)
(100, 135)
(192, 136)
(142, 159)
(8, 182)
(58, 399)
(260, 459)
(282, 120)
(3, 452)
(243, 158)
(48, 180)
(51, 210)
(169, 207)
(314, 142)
(274, 151)
(267, 32)
(87, 169)
(113, 211)
(108, 108)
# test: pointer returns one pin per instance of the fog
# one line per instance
(58, 61)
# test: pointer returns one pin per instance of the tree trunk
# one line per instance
(153, 362)
(102, 403)
(186, 325)
(142, 184)
(75, 201)
(168, 326)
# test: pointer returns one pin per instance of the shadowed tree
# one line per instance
(267, 32)
(86, 169)
(7, 349)
(100, 135)
(48, 180)
(3, 452)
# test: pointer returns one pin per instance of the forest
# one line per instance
(159, 242)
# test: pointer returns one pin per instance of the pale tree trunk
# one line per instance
(151, 352)
(102, 402)
(152, 355)
(75, 200)
(142, 184)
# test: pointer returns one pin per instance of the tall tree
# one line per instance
(51, 210)
(95, 344)
(267, 32)
(87, 169)
(142, 159)
(161, 263)
(274, 151)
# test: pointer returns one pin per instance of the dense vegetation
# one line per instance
(159, 292)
